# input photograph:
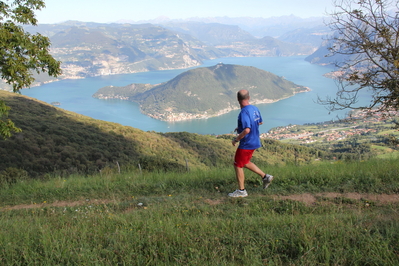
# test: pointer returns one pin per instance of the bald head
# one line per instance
(242, 95)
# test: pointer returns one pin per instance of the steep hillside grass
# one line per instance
(170, 218)
(55, 141)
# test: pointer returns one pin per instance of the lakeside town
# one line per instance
(359, 123)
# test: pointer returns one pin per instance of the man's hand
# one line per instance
(240, 136)
(234, 141)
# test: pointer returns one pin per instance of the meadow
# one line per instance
(186, 218)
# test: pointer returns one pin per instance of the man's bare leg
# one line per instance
(251, 166)
(240, 176)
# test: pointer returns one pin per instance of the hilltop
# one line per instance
(203, 92)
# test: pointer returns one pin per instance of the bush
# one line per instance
(12, 175)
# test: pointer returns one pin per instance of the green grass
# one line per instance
(385, 152)
(187, 218)
(392, 155)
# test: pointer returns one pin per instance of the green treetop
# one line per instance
(21, 53)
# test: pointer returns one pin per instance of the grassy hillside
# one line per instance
(57, 141)
(314, 213)
(326, 214)
(54, 140)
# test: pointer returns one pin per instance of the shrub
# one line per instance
(12, 175)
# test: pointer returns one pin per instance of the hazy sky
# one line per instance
(114, 10)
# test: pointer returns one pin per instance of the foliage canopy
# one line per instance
(366, 38)
(21, 53)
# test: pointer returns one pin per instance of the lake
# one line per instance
(76, 96)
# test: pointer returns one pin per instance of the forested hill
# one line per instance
(57, 141)
(204, 92)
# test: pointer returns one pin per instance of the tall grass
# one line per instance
(186, 219)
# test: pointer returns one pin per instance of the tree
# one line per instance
(366, 41)
(21, 53)
(6, 125)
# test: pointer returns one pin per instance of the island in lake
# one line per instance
(203, 92)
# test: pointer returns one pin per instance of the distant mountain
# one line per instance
(320, 56)
(88, 49)
(211, 33)
(258, 27)
(266, 46)
(91, 49)
(111, 49)
(204, 92)
(310, 36)
(278, 26)
(233, 41)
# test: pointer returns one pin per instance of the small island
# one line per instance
(203, 92)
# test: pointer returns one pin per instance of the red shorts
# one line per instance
(242, 157)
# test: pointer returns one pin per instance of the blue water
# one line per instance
(76, 96)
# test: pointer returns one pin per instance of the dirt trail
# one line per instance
(306, 198)
(311, 199)
(56, 204)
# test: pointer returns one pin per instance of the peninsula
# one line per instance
(203, 92)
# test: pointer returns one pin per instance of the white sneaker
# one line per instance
(238, 194)
(267, 180)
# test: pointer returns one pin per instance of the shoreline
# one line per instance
(179, 117)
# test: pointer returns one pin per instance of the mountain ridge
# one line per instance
(88, 49)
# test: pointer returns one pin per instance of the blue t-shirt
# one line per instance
(249, 117)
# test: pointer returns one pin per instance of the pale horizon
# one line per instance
(106, 11)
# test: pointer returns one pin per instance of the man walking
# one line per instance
(249, 120)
